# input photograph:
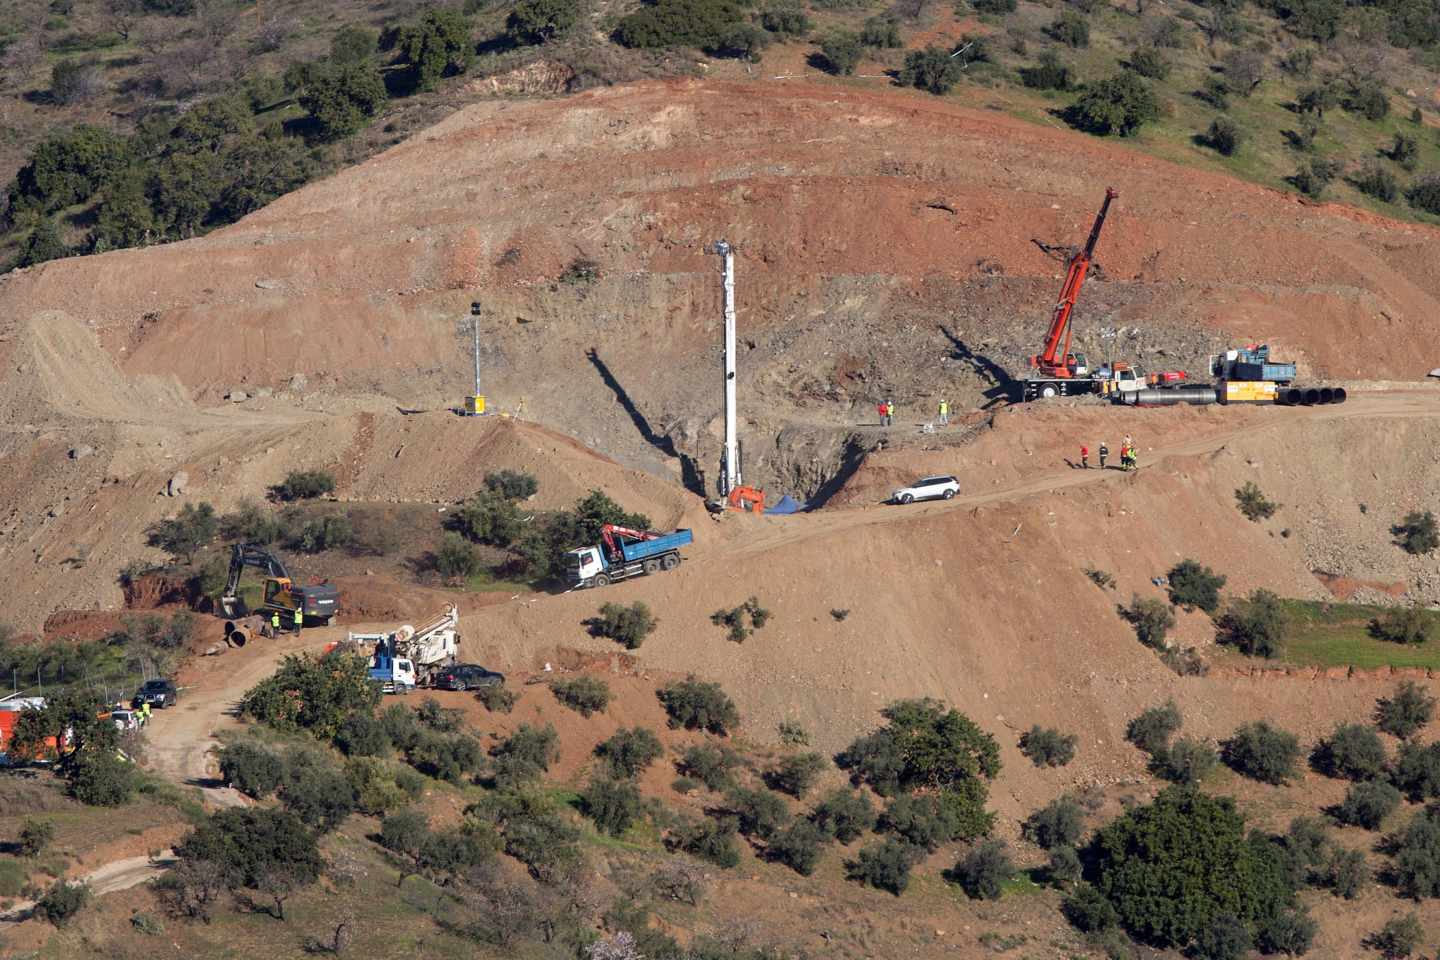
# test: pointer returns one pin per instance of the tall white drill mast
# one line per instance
(730, 468)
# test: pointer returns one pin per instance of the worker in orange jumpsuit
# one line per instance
(1084, 457)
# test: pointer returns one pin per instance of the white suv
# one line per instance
(928, 488)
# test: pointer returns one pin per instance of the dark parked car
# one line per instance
(467, 676)
(157, 693)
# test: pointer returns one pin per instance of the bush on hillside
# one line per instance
(318, 534)
(798, 846)
(1262, 752)
(1368, 804)
(707, 839)
(627, 625)
(1249, 497)
(842, 50)
(1057, 824)
(1070, 28)
(628, 753)
(251, 769)
(586, 695)
(513, 484)
(744, 41)
(796, 774)
(489, 517)
(885, 865)
(101, 779)
(35, 836)
(1406, 712)
(456, 560)
(922, 745)
(758, 813)
(1149, 63)
(1151, 730)
(613, 804)
(186, 532)
(361, 735)
(697, 705)
(1050, 73)
(1048, 747)
(436, 45)
(931, 69)
(317, 793)
(62, 902)
(1196, 846)
(678, 23)
(711, 764)
(539, 21)
(1409, 625)
(785, 18)
(1151, 618)
(983, 872)
(497, 698)
(341, 97)
(735, 618)
(882, 33)
(1088, 910)
(312, 695)
(1405, 150)
(1226, 136)
(525, 755)
(1353, 751)
(1186, 762)
(1194, 586)
(1419, 533)
(1225, 937)
(1375, 181)
(303, 485)
(1345, 873)
(844, 815)
(1063, 867)
(932, 819)
(1255, 626)
(1367, 98)
(1314, 177)
(1399, 937)
(994, 6)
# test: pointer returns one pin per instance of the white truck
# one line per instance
(407, 658)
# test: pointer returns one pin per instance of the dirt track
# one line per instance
(112, 877)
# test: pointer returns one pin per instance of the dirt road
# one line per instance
(112, 877)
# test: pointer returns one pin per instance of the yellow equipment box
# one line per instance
(474, 406)
(1248, 391)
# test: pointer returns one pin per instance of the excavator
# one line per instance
(1059, 372)
(317, 602)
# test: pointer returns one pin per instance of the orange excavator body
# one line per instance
(748, 499)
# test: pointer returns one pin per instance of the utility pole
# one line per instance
(475, 403)
(730, 466)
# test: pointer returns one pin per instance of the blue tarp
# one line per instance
(787, 504)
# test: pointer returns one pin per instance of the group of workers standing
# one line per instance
(886, 409)
(1127, 455)
(277, 623)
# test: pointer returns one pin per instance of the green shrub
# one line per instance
(994, 6)
(250, 523)
(449, 758)
(1255, 626)
(313, 694)
(1402, 625)
(678, 23)
(1119, 105)
(1088, 910)
(1216, 92)
(1353, 751)
(1418, 533)
(513, 484)
(1417, 770)
(696, 705)
(1151, 730)
(540, 21)
(1195, 847)
(400, 726)
(585, 695)
(793, 733)
(456, 560)
(882, 33)
(526, 755)
(251, 769)
(497, 698)
(1226, 937)
(844, 815)
(931, 819)
(373, 785)
(1192, 585)
(798, 846)
(1404, 714)
(1149, 63)
(1346, 873)
(62, 901)
(785, 18)
(1405, 150)
(930, 69)
(628, 753)
(1313, 178)
(76, 81)
(1050, 73)
(885, 865)
(1262, 752)
(744, 41)
(627, 625)
(707, 839)
(796, 773)
(186, 532)
(711, 764)
(1071, 28)
(983, 872)
(304, 485)
(35, 836)
(734, 619)
(317, 793)
(438, 718)
(362, 735)
(1375, 181)
(922, 745)
(1249, 497)
(1057, 824)
(1063, 867)
(260, 849)
(1187, 761)
(842, 51)
(436, 45)
(1047, 747)
(613, 804)
(489, 517)
(1400, 937)
(1367, 98)
(341, 97)
(1151, 618)
(1291, 931)
(1368, 804)
(759, 813)
(101, 779)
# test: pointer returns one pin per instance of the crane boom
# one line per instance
(1056, 360)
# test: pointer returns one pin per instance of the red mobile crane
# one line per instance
(1060, 372)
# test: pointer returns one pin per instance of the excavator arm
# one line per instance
(244, 555)
(1055, 360)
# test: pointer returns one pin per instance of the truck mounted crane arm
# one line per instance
(610, 531)
(1055, 361)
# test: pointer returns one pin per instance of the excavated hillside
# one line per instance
(889, 245)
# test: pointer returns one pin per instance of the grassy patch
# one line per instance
(1338, 635)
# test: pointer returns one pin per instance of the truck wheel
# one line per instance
(652, 566)
(601, 580)
(330, 620)
(669, 562)
(1049, 391)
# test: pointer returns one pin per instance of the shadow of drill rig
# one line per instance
(690, 476)
(1005, 388)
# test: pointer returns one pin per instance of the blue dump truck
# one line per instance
(624, 553)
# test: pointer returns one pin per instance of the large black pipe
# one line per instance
(1326, 395)
(1172, 395)
(1312, 396)
(1339, 395)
